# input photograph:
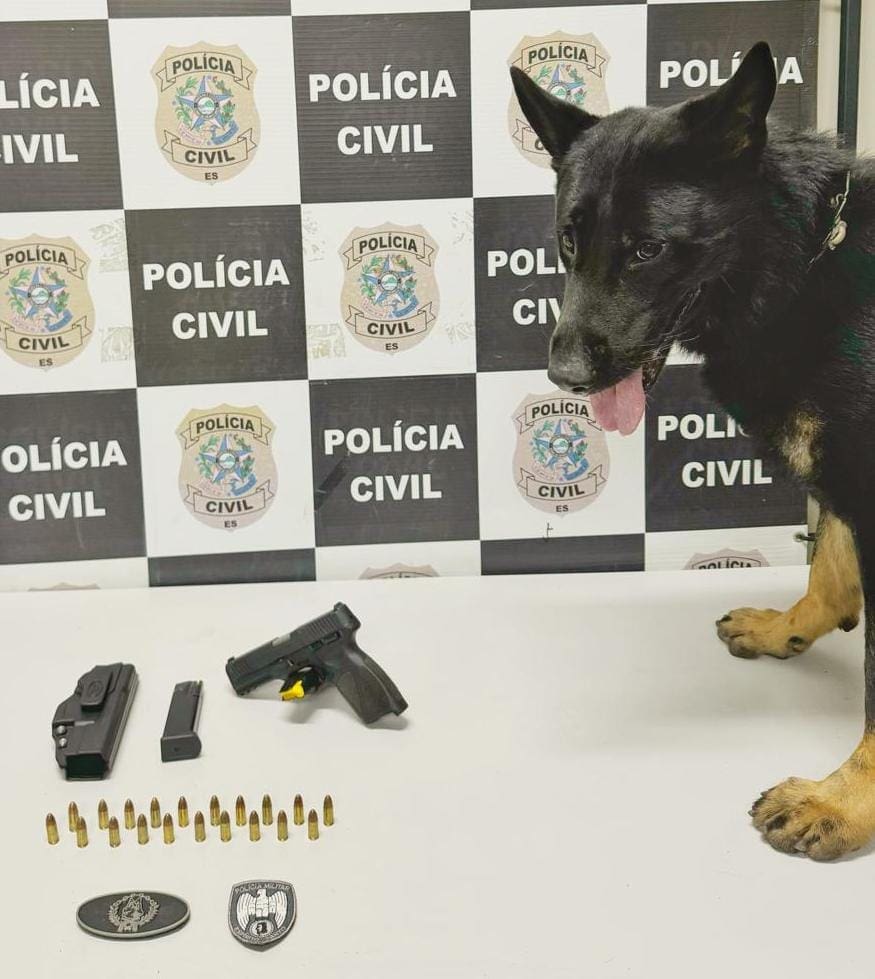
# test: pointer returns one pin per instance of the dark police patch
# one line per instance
(261, 912)
(132, 914)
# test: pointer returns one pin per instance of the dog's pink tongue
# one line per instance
(620, 408)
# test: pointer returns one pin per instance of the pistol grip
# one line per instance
(366, 688)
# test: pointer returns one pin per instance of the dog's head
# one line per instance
(648, 206)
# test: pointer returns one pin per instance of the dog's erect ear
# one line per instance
(730, 124)
(556, 123)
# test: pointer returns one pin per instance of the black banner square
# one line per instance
(58, 141)
(217, 295)
(690, 50)
(233, 568)
(70, 484)
(703, 472)
(524, 4)
(411, 441)
(519, 281)
(198, 8)
(554, 555)
(355, 144)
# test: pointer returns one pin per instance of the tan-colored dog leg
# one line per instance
(834, 600)
(822, 819)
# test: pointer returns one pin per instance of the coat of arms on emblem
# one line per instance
(46, 313)
(261, 912)
(228, 476)
(132, 911)
(727, 558)
(568, 67)
(206, 122)
(561, 461)
(390, 295)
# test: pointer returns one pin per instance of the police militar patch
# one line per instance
(561, 463)
(569, 67)
(390, 297)
(228, 476)
(206, 122)
(46, 312)
(261, 912)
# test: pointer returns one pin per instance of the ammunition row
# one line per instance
(218, 817)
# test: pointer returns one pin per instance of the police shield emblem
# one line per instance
(561, 463)
(726, 558)
(390, 296)
(228, 476)
(400, 571)
(207, 122)
(571, 68)
(46, 312)
(261, 912)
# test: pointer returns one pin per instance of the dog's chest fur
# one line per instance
(801, 381)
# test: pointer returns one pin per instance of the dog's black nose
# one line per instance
(572, 376)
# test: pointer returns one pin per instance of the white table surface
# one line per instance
(567, 794)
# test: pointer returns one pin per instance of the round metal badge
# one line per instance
(132, 914)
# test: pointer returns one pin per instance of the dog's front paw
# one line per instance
(814, 818)
(750, 632)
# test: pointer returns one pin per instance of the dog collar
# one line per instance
(839, 229)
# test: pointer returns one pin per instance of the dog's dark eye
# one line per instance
(648, 249)
(567, 240)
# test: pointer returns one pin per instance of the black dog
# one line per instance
(756, 250)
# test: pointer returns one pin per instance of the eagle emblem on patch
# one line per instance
(207, 122)
(390, 296)
(228, 476)
(261, 912)
(561, 463)
(569, 67)
(46, 311)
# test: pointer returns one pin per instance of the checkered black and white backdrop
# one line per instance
(276, 285)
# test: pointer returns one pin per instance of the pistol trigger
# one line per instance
(294, 692)
(299, 683)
